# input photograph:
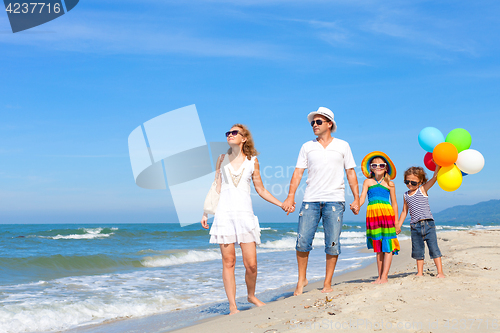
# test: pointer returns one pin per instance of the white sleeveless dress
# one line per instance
(234, 221)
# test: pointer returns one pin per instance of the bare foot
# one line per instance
(419, 274)
(300, 287)
(327, 289)
(233, 310)
(381, 281)
(255, 300)
(377, 281)
(440, 276)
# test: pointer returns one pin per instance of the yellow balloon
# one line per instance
(449, 178)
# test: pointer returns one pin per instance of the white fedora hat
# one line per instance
(325, 112)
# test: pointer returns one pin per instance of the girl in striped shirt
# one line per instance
(423, 228)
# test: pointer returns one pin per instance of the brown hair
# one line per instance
(387, 178)
(417, 171)
(248, 146)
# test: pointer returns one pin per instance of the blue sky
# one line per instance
(73, 89)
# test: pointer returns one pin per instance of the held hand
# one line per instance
(292, 209)
(204, 223)
(355, 206)
(288, 204)
(398, 230)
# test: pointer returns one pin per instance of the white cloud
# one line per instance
(100, 32)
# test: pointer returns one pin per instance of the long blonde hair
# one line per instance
(248, 146)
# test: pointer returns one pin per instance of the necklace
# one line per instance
(236, 178)
(379, 182)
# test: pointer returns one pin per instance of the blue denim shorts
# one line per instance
(424, 231)
(331, 213)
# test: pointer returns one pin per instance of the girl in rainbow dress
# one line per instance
(382, 210)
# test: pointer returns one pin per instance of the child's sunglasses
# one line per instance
(233, 133)
(413, 183)
(318, 122)
(380, 165)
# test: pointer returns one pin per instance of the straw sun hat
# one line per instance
(365, 164)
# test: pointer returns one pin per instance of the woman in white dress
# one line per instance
(234, 221)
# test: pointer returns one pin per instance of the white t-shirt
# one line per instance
(325, 180)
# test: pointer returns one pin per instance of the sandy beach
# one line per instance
(466, 300)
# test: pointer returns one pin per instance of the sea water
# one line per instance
(62, 276)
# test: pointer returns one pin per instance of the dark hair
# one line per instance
(418, 172)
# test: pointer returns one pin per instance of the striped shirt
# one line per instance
(418, 206)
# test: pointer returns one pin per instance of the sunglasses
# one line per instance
(413, 183)
(378, 165)
(319, 122)
(233, 133)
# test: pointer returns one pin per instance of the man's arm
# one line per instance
(353, 184)
(289, 204)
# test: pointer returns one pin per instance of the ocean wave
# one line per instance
(286, 243)
(82, 233)
(37, 316)
(289, 242)
(183, 257)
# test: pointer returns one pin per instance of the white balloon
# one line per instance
(470, 161)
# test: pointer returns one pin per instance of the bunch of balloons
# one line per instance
(452, 154)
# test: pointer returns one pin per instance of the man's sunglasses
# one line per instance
(233, 133)
(319, 122)
(379, 165)
(413, 183)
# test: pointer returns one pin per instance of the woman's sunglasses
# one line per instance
(412, 182)
(318, 122)
(233, 133)
(378, 165)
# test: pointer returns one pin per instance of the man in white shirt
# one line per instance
(326, 158)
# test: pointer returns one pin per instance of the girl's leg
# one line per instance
(249, 253)
(420, 267)
(386, 266)
(228, 263)
(380, 263)
(439, 267)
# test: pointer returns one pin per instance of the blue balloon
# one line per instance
(463, 173)
(430, 137)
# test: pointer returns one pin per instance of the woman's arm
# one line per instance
(218, 177)
(394, 201)
(204, 220)
(259, 186)
(218, 181)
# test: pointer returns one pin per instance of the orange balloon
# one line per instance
(445, 154)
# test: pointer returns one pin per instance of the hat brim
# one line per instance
(311, 115)
(365, 164)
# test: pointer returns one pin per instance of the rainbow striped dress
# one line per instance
(380, 221)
